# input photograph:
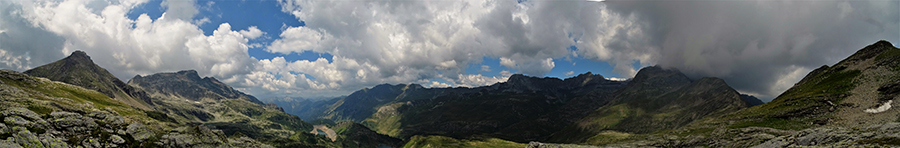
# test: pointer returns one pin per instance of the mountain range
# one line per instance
(76, 103)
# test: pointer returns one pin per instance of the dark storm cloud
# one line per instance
(761, 47)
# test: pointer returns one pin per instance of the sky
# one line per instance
(314, 48)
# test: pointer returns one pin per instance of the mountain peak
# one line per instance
(656, 72)
(517, 76)
(883, 43)
(870, 51)
(79, 54)
(588, 74)
(79, 58)
(190, 74)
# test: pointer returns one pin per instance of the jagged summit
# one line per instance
(883, 43)
(78, 54)
(191, 73)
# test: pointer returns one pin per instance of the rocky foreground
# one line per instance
(25, 128)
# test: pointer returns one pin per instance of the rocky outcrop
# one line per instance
(25, 128)
(873, 136)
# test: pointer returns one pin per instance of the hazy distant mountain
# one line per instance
(306, 109)
(78, 69)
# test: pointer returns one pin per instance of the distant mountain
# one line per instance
(751, 100)
(78, 69)
(306, 109)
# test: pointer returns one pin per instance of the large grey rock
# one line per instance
(50, 142)
(72, 122)
(886, 127)
(25, 122)
(17, 121)
(27, 139)
(9, 144)
(776, 142)
(18, 111)
(91, 143)
(108, 119)
(116, 139)
(138, 131)
(4, 129)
